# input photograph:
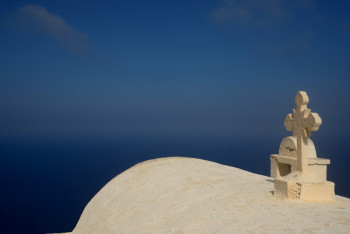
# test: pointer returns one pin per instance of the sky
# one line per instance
(224, 68)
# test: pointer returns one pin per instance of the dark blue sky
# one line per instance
(89, 88)
(171, 68)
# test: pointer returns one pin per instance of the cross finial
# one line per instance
(302, 122)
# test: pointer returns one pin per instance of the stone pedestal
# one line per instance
(285, 161)
(282, 166)
(297, 186)
(298, 173)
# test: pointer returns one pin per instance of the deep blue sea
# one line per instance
(46, 183)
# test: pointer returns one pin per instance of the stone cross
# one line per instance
(302, 122)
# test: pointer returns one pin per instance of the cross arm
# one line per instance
(288, 122)
(312, 123)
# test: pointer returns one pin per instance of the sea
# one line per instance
(46, 183)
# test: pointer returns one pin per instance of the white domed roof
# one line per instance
(187, 195)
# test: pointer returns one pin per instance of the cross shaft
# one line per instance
(302, 122)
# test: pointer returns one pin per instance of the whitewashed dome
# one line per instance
(187, 195)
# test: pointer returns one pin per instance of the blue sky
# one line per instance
(224, 68)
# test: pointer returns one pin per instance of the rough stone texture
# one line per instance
(186, 195)
(298, 186)
(288, 147)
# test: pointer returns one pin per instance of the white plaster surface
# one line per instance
(187, 195)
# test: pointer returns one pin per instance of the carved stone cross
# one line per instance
(302, 122)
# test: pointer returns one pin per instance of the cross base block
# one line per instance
(303, 190)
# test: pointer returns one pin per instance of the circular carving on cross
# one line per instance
(302, 121)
